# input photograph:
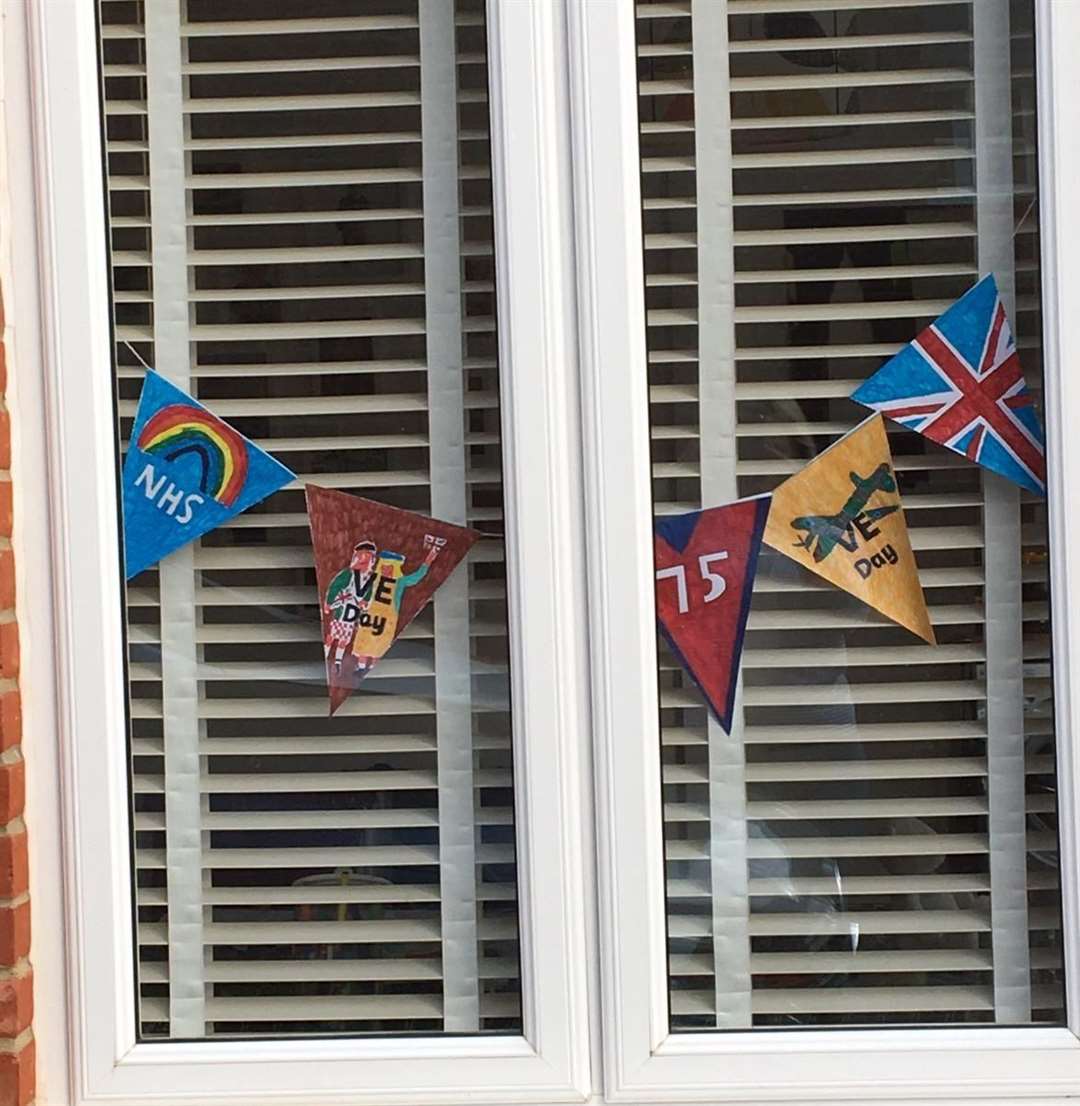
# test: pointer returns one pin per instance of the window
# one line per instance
(380, 1021)
(554, 270)
(730, 372)
(863, 849)
(284, 191)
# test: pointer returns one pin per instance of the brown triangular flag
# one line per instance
(841, 517)
(376, 567)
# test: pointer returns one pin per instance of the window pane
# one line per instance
(875, 843)
(301, 230)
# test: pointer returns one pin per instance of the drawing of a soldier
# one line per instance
(364, 599)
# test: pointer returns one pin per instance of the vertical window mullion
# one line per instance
(1006, 783)
(717, 418)
(447, 473)
(180, 686)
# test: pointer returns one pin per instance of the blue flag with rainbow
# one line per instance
(186, 472)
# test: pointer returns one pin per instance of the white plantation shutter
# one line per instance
(496, 906)
(820, 179)
(301, 229)
(1043, 863)
(123, 58)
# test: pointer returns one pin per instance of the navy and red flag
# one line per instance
(960, 384)
(705, 566)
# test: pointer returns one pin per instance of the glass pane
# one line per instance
(875, 843)
(301, 229)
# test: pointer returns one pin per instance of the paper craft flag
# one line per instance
(376, 568)
(186, 472)
(705, 565)
(841, 517)
(960, 383)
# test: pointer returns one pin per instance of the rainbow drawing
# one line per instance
(218, 473)
(181, 429)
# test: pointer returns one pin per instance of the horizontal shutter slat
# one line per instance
(761, 7)
(871, 922)
(333, 857)
(914, 883)
(259, 27)
(882, 655)
(869, 999)
(849, 42)
(836, 810)
(865, 79)
(924, 960)
(936, 844)
(318, 971)
(299, 65)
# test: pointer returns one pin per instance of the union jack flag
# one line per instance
(960, 384)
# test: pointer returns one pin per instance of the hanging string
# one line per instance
(135, 353)
(1023, 218)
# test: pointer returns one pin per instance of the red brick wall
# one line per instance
(16, 979)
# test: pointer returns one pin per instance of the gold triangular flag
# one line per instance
(841, 517)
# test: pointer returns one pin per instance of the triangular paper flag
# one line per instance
(705, 565)
(960, 383)
(841, 517)
(186, 472)
(376, 568)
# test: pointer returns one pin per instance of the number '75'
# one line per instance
(717, 584)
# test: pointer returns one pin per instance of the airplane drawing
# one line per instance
(832, 530)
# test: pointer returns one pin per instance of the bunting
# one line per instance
(705, 566)
(841, 518)
(185, 473)
(376, 567)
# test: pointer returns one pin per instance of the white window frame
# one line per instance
(643, 1061)
(59, 366)
(86, 1024)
